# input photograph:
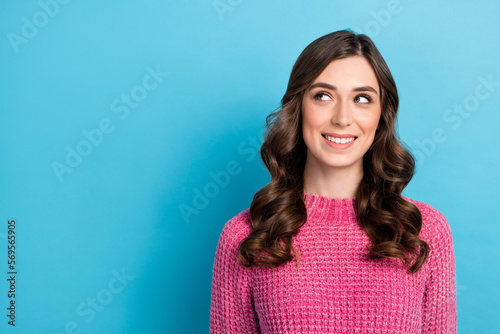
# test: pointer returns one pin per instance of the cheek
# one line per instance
(310, 124)
(306, 129)
(312, 118)
(369, 123)
(306, 120)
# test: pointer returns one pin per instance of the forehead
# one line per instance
(349, 72)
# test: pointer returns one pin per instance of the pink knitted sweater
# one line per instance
(337, 288)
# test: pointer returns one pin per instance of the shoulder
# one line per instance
(435, 226)
(236, 229)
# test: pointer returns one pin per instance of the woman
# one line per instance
(330, 245)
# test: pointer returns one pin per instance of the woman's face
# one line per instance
(340, 114)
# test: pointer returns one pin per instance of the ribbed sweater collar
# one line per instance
(330, 209)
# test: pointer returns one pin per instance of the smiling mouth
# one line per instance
(337, 140)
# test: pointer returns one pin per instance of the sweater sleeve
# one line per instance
(231, 309)
(439, 310)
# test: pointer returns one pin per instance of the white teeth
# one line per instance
(340, 140)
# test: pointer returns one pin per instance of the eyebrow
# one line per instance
(331, 87)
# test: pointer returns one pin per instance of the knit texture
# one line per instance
(337, 287)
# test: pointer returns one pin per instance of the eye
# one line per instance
(363, 99)
(322, 97)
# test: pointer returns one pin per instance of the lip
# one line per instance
(336, 135)
(339, 146)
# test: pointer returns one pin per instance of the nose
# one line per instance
(341, 114)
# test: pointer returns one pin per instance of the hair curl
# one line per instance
(278, 210)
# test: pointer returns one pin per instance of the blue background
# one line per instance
(131, 207)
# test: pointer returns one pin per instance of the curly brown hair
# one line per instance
(278, 210)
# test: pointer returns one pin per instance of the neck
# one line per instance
(332, 182)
